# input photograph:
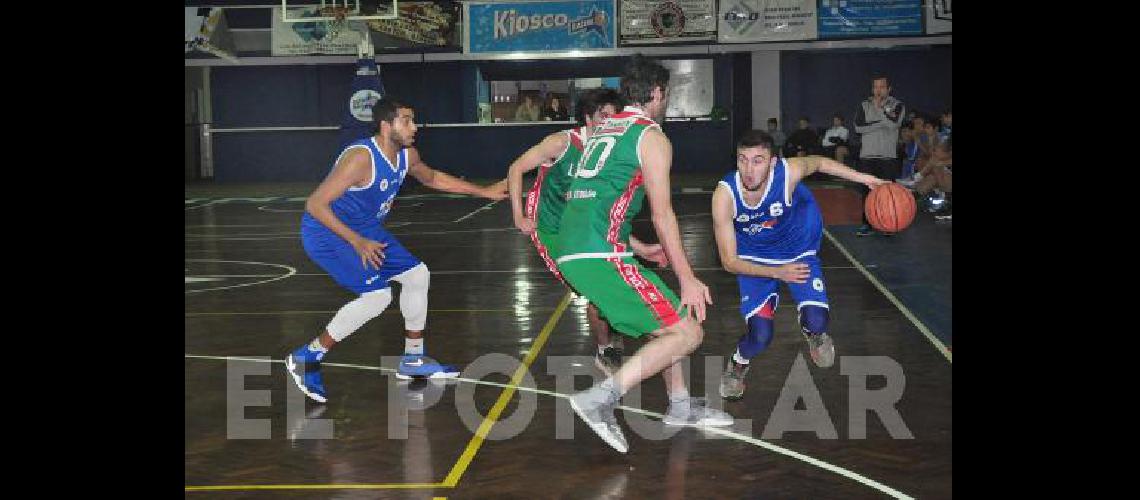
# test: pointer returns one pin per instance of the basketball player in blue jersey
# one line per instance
(768, 229)
(342, 231)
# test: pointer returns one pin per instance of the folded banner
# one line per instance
(206, 31)
(644, 21)
(367, 88)
(747, 21)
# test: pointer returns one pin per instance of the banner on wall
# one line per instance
(869, 18)
(298, 39)
(743, 21)
(938, 17)
(206, 31)
(419, 24)
(539, 26)
(644, 21)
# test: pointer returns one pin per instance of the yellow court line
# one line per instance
(460, 467)
(388, 486)
(468, 453)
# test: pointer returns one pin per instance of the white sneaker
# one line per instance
(696, 414)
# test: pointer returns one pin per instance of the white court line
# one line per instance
(891, 297)
(528, 270)
(291, 271)
(477, 210)
(206, 237)
(713, 430)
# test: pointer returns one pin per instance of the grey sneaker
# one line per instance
(821, 349)
(732, 380)
(609, 360)
(694, 412)
(591, 407)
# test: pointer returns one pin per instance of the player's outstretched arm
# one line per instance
(441, 181)
(806, 165)
(656, 160)
(722, 210)
(544, 152)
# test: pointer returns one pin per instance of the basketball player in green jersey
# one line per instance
(558, 153)
(626, 160)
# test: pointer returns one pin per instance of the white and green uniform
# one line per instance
(604, 196)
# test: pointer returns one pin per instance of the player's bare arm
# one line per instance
(544, 152)
(804, 166)
(652, 252)
(353, 170)
(442, 181)
(722, 209)
(657, 157)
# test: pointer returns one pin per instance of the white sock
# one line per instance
(315, 346)
(738, 358)
(414, 347)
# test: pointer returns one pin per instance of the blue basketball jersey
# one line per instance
(366, 207)
(785, 226)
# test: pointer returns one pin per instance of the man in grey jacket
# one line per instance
(878, 120)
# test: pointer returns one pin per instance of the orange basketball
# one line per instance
(890, 208)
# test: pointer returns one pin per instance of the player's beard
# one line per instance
(401, 141)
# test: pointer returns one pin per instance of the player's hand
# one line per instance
(874, 182)
(796, 272)
(371, 252)
(496, 191)
(695, 295)
(653, 252)
(525, 224)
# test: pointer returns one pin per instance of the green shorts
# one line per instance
(632, 298)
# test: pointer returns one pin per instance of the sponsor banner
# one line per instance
(747, 21)
(644, 21)
(539, 26)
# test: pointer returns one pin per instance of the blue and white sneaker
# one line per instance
(417, 365)
(304, 367)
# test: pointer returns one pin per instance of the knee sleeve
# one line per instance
(814, 319)
(414, 296)
(759, 335)
(356, 313)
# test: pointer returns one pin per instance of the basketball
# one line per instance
(890, 208)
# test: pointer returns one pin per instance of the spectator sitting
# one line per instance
(944, 132)
(778, 137)
(527, 111)
(553, 111)
(937, 175)
(802, 142)
(910, 156)
(835, 140)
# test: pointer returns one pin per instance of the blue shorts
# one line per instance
(341, 261)
(755, 291)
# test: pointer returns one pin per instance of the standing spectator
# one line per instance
(835, 139)
(527, 111)
(778, 136)
(802, 142)
(878, 119)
